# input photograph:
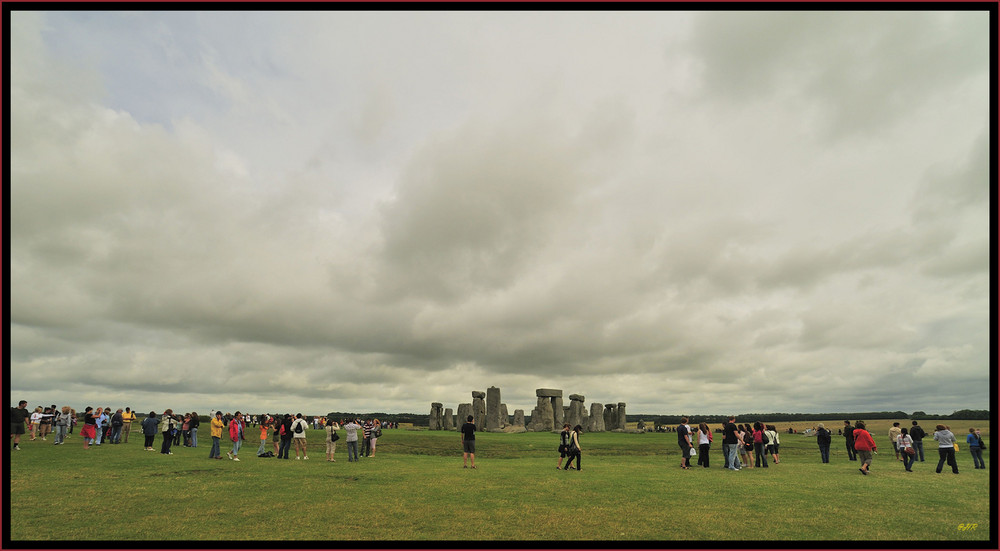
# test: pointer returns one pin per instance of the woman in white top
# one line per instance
(331, 444)
(772, 442)
(904, 441)
(36, 421)
(704, 444)
(299, 427)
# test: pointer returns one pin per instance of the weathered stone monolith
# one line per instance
(479, 408)
(518, 418)
(621, 415)
(574, 413)
(464, 411)
(541, 416)
(493, 409)
(548, 393)
(596, 419)
(448, 421)
(504, 416)
(434, 423)
(610, 417)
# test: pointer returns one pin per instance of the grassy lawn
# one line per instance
(630, 489)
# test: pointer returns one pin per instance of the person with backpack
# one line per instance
(852, 452)
(285, 432)
(117, 422)
(976, 446)
(759, 441)
(168, 426)
(236, 435)
(299, 436)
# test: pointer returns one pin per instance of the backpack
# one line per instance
(281, 429)
(298, 427)
(763, 438)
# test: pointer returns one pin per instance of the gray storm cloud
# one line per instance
(718, 211)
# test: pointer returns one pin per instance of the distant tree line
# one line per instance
(786, 417)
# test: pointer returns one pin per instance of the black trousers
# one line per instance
(947, 454)
(167, 440)
(703, 454)
(149, 440)
(569, 459)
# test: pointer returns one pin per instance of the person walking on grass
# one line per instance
(574, 449)
(852, 453)
(894, 433)
(299, 436)
(976, 446)
(89, 430)
(285, 432)
(823, 438)
(236, 435)
(351, 428)
(946, 448)
(904, 444)
(865, 446)
(149, 428)
(704, 444)
(918, 434)
(564, 438)
(468, 433)
(331, 439)
(17, 417)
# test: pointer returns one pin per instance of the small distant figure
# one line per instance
(946, 448)
(918, 434)
(823, 440)
(904, 446)
(469, 443)
(894, 433)
(351, 428)
(564, 438)
(865, 446)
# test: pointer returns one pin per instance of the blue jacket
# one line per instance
(149, 425)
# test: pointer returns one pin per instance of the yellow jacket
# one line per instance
(217, 425)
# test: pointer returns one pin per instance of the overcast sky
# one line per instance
(713, 212)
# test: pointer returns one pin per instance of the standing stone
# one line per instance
(610, 417)
(541, 417)
(479, 409)
(464, 411)
(558, 413)
(596, 423)
(434, 423)
(493, 409)
(504, 416)
(548, 393)
(518, 417)
(574, 414)
(448, 422)
(621, 415)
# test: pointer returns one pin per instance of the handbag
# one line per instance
(956, 446)
(694, 452)
(909, 450)
(335, 437)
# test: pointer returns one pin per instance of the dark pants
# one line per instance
(149, 440)
(947, 454)
(116, 434)
(286, 444)
(759, 456)
(352, 450)
(703, 454)
(908, 459)
(725, 454)
(919, 446)
(824, 452)
(366, 447)
(852, 454)
(569, 459)
(167, 440)
(977, 456)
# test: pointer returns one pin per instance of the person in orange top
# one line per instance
(865, 445)
(265, 424)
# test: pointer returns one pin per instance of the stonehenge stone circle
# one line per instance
(464, 411)
(448, 422)
(518, 418)
(596, 419)
(435, 419)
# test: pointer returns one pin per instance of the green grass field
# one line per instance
(415, 489)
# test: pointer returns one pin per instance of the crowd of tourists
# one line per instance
(744, 445)
(106, 426)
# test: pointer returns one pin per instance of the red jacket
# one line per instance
(863, 440)
(235, 428)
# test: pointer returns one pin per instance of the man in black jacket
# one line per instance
(852, 454)
(918, 434)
